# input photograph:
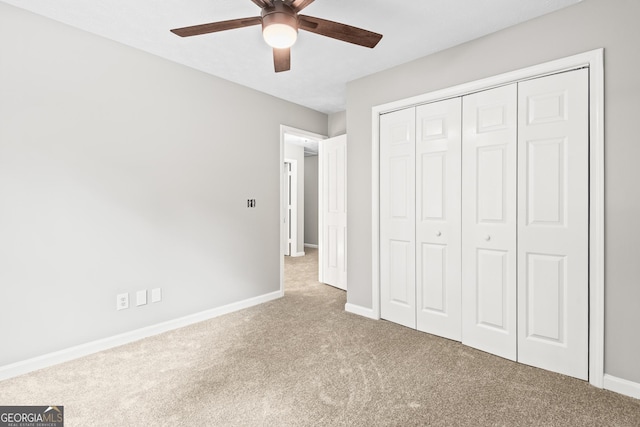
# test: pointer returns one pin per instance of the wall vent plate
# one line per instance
(156, 295)
(141, 297)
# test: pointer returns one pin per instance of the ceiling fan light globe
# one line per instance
(279, 36)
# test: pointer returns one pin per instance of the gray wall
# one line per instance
(296, 152)
(311, 200)
(591, 24)
(121, 171)
(337, 123)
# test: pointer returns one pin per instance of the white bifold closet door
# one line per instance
(489, 221)
(484, 220)
(553, 223)
(397, 217)
(438, 176)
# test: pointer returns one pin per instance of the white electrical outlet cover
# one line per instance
(122, 301)
(141, 297)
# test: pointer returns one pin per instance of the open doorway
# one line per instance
(298, 194)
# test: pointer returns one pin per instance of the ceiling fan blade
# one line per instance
(282, 59)
(216, 26)
(263, 3)
(298, 5)
(339, 31)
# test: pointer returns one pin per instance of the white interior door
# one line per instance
(333, 161)
(489, 221)
(397, 217)
(438, 204)
(553, 223)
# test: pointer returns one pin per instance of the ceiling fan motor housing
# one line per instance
(280, 13)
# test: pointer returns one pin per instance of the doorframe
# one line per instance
(284, 130)
(594, 60)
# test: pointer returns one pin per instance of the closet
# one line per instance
(484, 220)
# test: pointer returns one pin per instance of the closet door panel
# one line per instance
(438, 269)
(397, 217)
(553, 206)
(492, 291)
(489, 221)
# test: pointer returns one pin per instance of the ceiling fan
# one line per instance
(280, 21)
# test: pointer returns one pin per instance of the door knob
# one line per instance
(438, 233)
(487, 237)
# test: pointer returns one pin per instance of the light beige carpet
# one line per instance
(303, 361)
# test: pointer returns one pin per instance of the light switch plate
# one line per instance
(156, 294)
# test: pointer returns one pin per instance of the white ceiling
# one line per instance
(309, 145)
(320, 66)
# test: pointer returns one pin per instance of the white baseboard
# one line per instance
(51, 359)
(297, 254)
(626, 387)
(310, 245)
(360, 311)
